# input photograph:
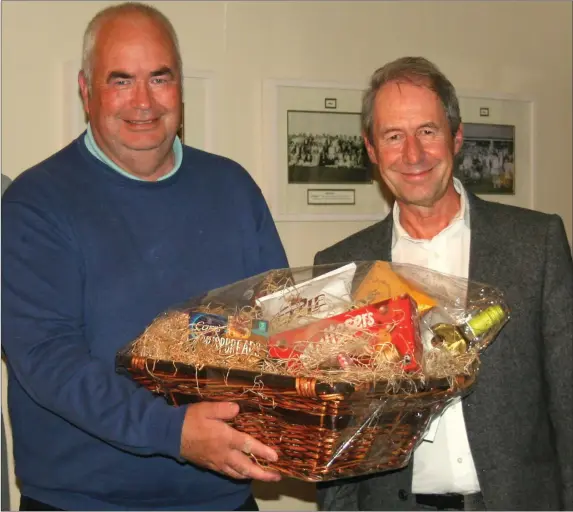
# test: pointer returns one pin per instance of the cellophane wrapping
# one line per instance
(340, 368)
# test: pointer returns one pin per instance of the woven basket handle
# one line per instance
(306, 387)
(138, 363)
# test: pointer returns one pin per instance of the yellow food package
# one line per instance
(383, 283)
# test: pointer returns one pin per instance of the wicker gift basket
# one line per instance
(341, 386)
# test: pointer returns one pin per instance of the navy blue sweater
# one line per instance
(89, 258)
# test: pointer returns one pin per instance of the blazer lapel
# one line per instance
(486, 250)
(382, 245)
(484, 244)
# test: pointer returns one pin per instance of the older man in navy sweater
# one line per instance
(97, 240)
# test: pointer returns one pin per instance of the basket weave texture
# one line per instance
(321, 431)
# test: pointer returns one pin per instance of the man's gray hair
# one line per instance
(417, 71)
(91, 33)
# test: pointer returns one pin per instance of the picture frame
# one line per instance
(506, 131)
(344, 198)
(197, 117)
(181, 131)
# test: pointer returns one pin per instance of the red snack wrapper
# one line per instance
(399, 317)
(392, 320)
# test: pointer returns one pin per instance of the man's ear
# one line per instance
(459, 139)
(84, 91)
(371, 150)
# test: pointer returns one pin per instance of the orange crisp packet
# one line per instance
(382, 283)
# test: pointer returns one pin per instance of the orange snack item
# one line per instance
(394, 321)
(382, 283)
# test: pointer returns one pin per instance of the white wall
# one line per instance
(512, 48)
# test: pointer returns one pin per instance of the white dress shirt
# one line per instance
(443, 461)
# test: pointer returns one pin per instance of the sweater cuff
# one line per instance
(168, 427)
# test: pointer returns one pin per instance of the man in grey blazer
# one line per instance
(509, 444)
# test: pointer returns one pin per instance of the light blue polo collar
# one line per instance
(94, 149)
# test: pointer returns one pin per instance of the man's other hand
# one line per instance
(208, 441)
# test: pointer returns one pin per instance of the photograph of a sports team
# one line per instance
(326, 147)
(487, 159)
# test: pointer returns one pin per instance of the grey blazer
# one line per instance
(519, 417)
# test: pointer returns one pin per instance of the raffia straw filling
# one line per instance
(167, 339)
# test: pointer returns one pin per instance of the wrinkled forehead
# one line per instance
(406, 99)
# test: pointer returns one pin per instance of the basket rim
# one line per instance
(127, 362)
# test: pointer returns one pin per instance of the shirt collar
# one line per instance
(463, 214)
(96, 151)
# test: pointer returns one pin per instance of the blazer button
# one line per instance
(402, 494)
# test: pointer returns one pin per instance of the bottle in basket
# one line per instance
(476, 329)
(479, 324)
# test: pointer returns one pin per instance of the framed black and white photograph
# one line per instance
(487, 159)
(496, 161)
(316, 164)
(326, 148)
